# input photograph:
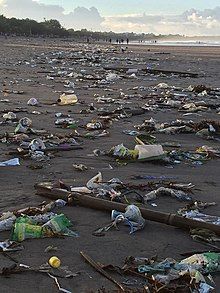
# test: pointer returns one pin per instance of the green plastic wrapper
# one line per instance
(24, 231)
(209, 262)
(59, 224)
(25, 228)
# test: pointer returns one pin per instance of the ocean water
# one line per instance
(181, 43)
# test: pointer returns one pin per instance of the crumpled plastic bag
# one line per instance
(37, 145)
(32, 102)
(112, 77)
(12, 162)
(194, 266)
(163, 191)
(132, 217)
(23, 125)
(196, 215)
(93, 183)
(120, 151)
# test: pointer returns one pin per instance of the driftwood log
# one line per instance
(155, 71)
(81, 199)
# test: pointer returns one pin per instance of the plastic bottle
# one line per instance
(67, 100)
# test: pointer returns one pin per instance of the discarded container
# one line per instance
(149, 152)
(54, 262)
(67, 100)
(140, 152)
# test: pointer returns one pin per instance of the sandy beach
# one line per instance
(25, 66)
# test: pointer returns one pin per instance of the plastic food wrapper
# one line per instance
(26, 227)
(208, 262)
(120, 151)
(196, 215)
(195, 266)
(59, 224)
(132, 217)
(12, 162)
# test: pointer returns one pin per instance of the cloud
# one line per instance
(82, 17)
(191, 22)
(132, 23)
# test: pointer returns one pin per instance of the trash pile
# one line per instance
(79, 113)
(191, 274)
(36, 222)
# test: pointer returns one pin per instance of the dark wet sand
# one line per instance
(17, 183)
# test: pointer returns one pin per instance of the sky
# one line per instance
(188, 17)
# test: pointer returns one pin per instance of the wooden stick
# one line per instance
(106, 205)
(154, 71)
(98, 268)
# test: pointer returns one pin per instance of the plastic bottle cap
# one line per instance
(54, 262)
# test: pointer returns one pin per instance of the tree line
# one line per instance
(29, 27)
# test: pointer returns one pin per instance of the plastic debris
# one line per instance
(132, 217)
(11, 162)
(67, 100)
